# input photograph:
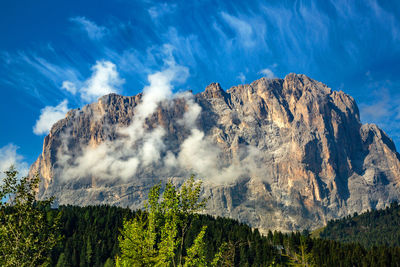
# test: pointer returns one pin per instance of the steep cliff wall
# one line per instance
(277, 153)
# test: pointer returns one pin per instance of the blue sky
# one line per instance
(59, 55)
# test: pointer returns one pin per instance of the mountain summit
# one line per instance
(283, 154)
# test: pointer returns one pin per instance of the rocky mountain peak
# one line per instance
(283, 154)
(214, 90)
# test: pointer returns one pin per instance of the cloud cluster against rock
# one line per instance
(138, 147)
(105, 79)
(50, 115)
(265, 151)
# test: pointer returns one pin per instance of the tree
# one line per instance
(196, 253)
(303, 258)
(152, 238)
(26, 235)
(225, 256)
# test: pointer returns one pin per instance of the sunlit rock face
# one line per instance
(284, 154)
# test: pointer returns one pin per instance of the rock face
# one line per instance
(282, 154)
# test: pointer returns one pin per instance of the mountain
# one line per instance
(281, 154)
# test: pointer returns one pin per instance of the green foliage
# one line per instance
(196, 253)
(238, 243)
(302, 257)
(27, 234)
(91, 234)
(89, 231)
(109, 263)
(372, 228)
(136, 244)
(61, 261)
(152, 238)
(225, 256)
(101, 225)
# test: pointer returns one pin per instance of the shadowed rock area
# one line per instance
(283, 154)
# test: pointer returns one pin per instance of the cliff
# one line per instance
(282, 154)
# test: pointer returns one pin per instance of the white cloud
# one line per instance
(383, 108)
(141, 146)
(242, 28)
(192, 113)
(48, 116)
(199, 154)
(152, 146)
(69, 86)
(38, 76)
(387, 19)
(137, 145)
(161, 9)
(106, 161)
(241, 77)
(186, 49)
(160, 87)
(104, 80)
(9, 156)
(94, 31)
(376, 111)
(267, 73)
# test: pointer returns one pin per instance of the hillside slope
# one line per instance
(372, 228)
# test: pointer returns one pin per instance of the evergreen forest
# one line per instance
(90, 238)
(371, 228)
(171, 232)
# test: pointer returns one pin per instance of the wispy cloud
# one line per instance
(36, 75)
(187, 49)
(300, 30)
(387, 18)
(377, 111)
(94, 31)
(161, 9)
(241, 77)
(267, 73)
(244, 31)
(227, 43)
(69, 87)
(9, 156)
(48, 116)
(381, 106)
(364, 17)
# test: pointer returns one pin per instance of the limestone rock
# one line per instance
(284, 154)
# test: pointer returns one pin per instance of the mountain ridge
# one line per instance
(283, 154)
